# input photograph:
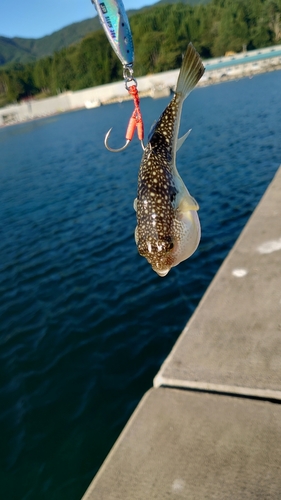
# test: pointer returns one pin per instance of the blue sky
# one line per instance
(33, 19)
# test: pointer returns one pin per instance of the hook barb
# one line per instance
(114, 150)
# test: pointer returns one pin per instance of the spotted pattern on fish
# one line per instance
(157, 192)
(160, 228)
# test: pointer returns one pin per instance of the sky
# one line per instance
(34, 19)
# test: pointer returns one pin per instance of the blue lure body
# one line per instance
(116, 25)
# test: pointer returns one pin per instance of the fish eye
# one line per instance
(171, 245)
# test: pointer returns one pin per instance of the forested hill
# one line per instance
(189, 2)
(23, 50)
(161, 34)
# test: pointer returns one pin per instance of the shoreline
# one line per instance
(157, 85)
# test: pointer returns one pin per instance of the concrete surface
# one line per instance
(194, 446)
(233, 341)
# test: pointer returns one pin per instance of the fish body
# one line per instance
(168, 228)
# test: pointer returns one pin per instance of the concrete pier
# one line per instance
(233, 342)
(211, 426)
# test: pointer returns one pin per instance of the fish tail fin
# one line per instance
(190, 73)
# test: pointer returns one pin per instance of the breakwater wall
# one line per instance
(211, 425)
(217, 70)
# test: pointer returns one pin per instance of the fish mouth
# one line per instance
(162, 272)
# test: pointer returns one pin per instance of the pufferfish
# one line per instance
(168, 228)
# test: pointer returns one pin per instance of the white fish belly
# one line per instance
(188, 226)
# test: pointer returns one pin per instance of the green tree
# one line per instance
(233, 30)
(42, 74)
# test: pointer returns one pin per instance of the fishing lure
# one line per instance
(116, 25)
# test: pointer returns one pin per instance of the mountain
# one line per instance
(24, 50)
(189, 2)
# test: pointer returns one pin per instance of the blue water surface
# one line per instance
(85, 323)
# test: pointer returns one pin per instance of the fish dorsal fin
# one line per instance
(182, 139)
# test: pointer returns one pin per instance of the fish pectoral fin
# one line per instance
(182, 139)
(187, 202)
(135, 204)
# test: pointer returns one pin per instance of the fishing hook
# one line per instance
(127, 141)
(135, 122)
(116, 25)
(114, 150)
